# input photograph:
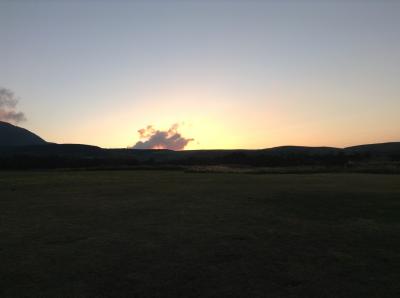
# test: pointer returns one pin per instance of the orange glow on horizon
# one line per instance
(217, 120)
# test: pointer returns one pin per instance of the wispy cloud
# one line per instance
(158, 139)
(8, 103)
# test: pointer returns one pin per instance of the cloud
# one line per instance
(8, 102)
(156, 139)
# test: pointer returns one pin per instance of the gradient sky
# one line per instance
(237, 74)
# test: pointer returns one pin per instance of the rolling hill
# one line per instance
(11, 135)
(20, 148)
(380, 149)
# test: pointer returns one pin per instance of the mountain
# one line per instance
(11, 135)
(19, 150)
(380, 149)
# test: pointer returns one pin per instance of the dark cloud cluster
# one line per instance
(8, 103)
(156, 139)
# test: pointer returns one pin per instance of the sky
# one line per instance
(231, 74)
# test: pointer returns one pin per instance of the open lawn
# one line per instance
(175, 234)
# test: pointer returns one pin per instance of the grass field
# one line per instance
(175, 234)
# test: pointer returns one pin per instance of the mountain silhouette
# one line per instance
(376, 149)
(11, 135)
(19, 149)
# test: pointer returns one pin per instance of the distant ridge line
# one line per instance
(16, 139)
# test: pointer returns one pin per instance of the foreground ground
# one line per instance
(174, 234)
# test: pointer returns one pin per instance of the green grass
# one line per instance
(174, 234)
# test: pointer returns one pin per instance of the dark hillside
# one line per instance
(11, 135)
(376, 149)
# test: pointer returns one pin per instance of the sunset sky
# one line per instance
(232, 74)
